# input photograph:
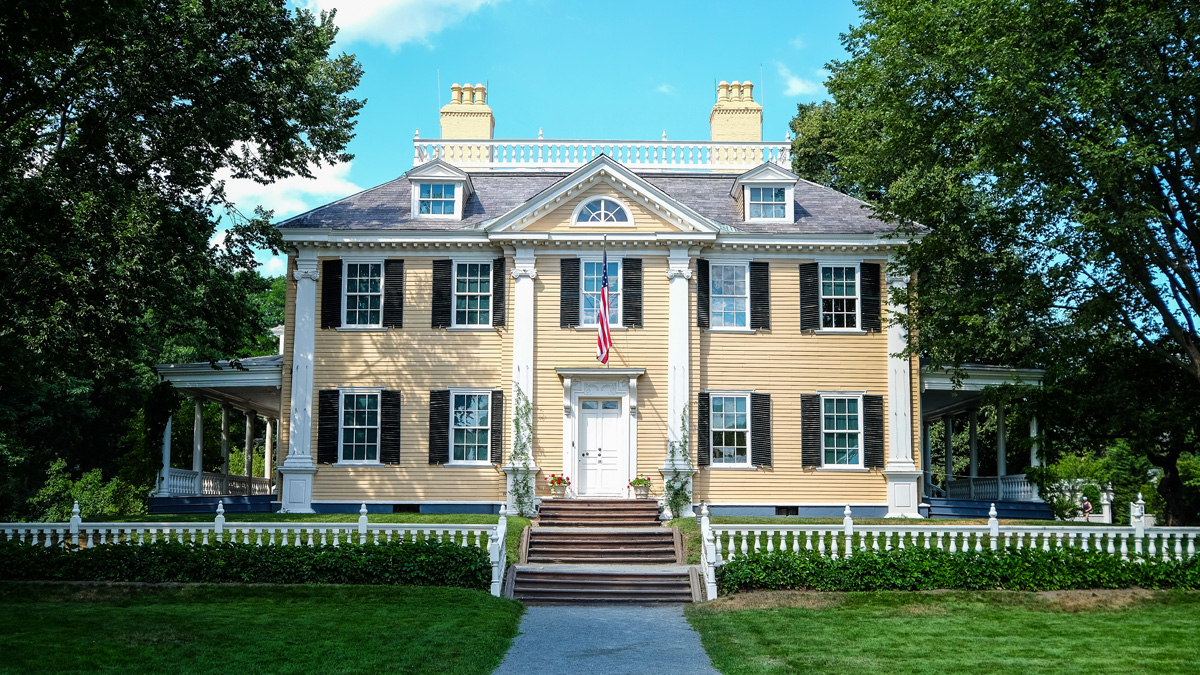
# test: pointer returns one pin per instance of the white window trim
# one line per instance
(620, 323)
(378, 461)
(745, 263)
(611, 198)
(789, 202)
(857, 330)
(468, 391)
(459, 188)
(346, 262)
(860, 466)
(732, 466)
(454, 324)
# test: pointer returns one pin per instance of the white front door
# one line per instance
(603, 455)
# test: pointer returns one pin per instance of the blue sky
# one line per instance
(609, 70)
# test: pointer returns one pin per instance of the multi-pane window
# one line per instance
(728, 296)
(841, 430)
(364, 294)
(768, 203)
(470, 426)
(436, 199)
(473, 294)
(839, 297)
(360, 427)
(730, 430)
(602, 211)
(591, 301)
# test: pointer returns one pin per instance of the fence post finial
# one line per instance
(993, 523)
(219, 521)
(362, 524)
(75, 521)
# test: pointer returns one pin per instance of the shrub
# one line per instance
(918, 569)
(425, 563)
(97, 497)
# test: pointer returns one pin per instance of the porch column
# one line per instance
(524, 272)
(298, 468)
(225, 439)
(1034, 460)
(198, 446)
(1001, 457)
(904, 493)
(679, 273)
(949, 441)
(164, 490)
(268, 447)
(249, 461)
(973, 421)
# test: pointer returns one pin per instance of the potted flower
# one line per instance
(558, 485)
(641, 487)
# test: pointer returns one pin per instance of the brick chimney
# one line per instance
(467, 116)
(735, 116)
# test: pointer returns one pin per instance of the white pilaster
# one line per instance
(298, 468)
(524, 272)
(164, 490)
(678, 355)
(198, 446)
(902, 474)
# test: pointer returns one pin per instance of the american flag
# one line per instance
(604, 338)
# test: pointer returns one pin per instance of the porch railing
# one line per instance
(181, 482)
(568, 155)
(722, 543)
(1012, 488)
(76, 533)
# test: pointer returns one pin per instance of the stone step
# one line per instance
(593, 522)
(631, 585)
(536, 544)
(607, 559)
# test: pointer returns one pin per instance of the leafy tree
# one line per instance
(115, 121)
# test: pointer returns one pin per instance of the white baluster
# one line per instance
(1191, 547)
(808, 545)
(1153, 551)
(1124, 545)
(745, 547)
(770, 541)
(821, 543)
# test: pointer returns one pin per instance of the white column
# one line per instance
(1034, 460)
(268, 447)
(949, 442)
(164, 490)
(678, 354)
(298, 468)
(249, 462)
(903, 476)
(198, 445)
(974, 426)
(1001, 457)
(524, 272)
(224, 439)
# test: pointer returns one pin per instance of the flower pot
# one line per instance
(558, 491)
(641, 491)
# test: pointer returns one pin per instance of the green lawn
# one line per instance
(512, 544)
(56, 628)
(1083, 632)
(689, 528)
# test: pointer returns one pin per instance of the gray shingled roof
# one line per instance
(819, 210)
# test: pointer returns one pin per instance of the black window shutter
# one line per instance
(443, 293)
(327, 426)
(439, 426)
(810, 296)
(393, 293)
(704, 432)
(499, 304)
(389, 426)
(873, 431)
(331, 293)
(760, 295)
(497, 438)
(868, 277)
(568, 294)
(810, 430)
(631, 292)
(760, 429)
(702, 292)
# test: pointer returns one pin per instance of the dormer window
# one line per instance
(768, 203)
(436, 199)
(766, 193)
(602, 210)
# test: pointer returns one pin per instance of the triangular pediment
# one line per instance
(765, 173)
(615, 179)
(437, 170)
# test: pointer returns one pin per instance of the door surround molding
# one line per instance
(597, 383)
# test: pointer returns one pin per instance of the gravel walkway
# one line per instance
(606, 640)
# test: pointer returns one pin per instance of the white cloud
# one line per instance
(665, 89)
(798, 42)
(797, 86)
(293, 195)
(274, 266)
(395, 22)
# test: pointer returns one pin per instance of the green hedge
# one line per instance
(428, 563)
(918, 569)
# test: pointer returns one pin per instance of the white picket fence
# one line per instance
(77, 533)
(722, 543)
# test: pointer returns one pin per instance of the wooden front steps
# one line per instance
(601, 551)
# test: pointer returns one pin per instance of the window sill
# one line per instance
(355, 464)
(472, 328)
(593, 329)
(467, 465)
(734, 467)
(839, 331)
(437, 216)
(363, 329)
(725, 329)
(848, 469)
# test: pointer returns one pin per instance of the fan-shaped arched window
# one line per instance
(602, 211)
